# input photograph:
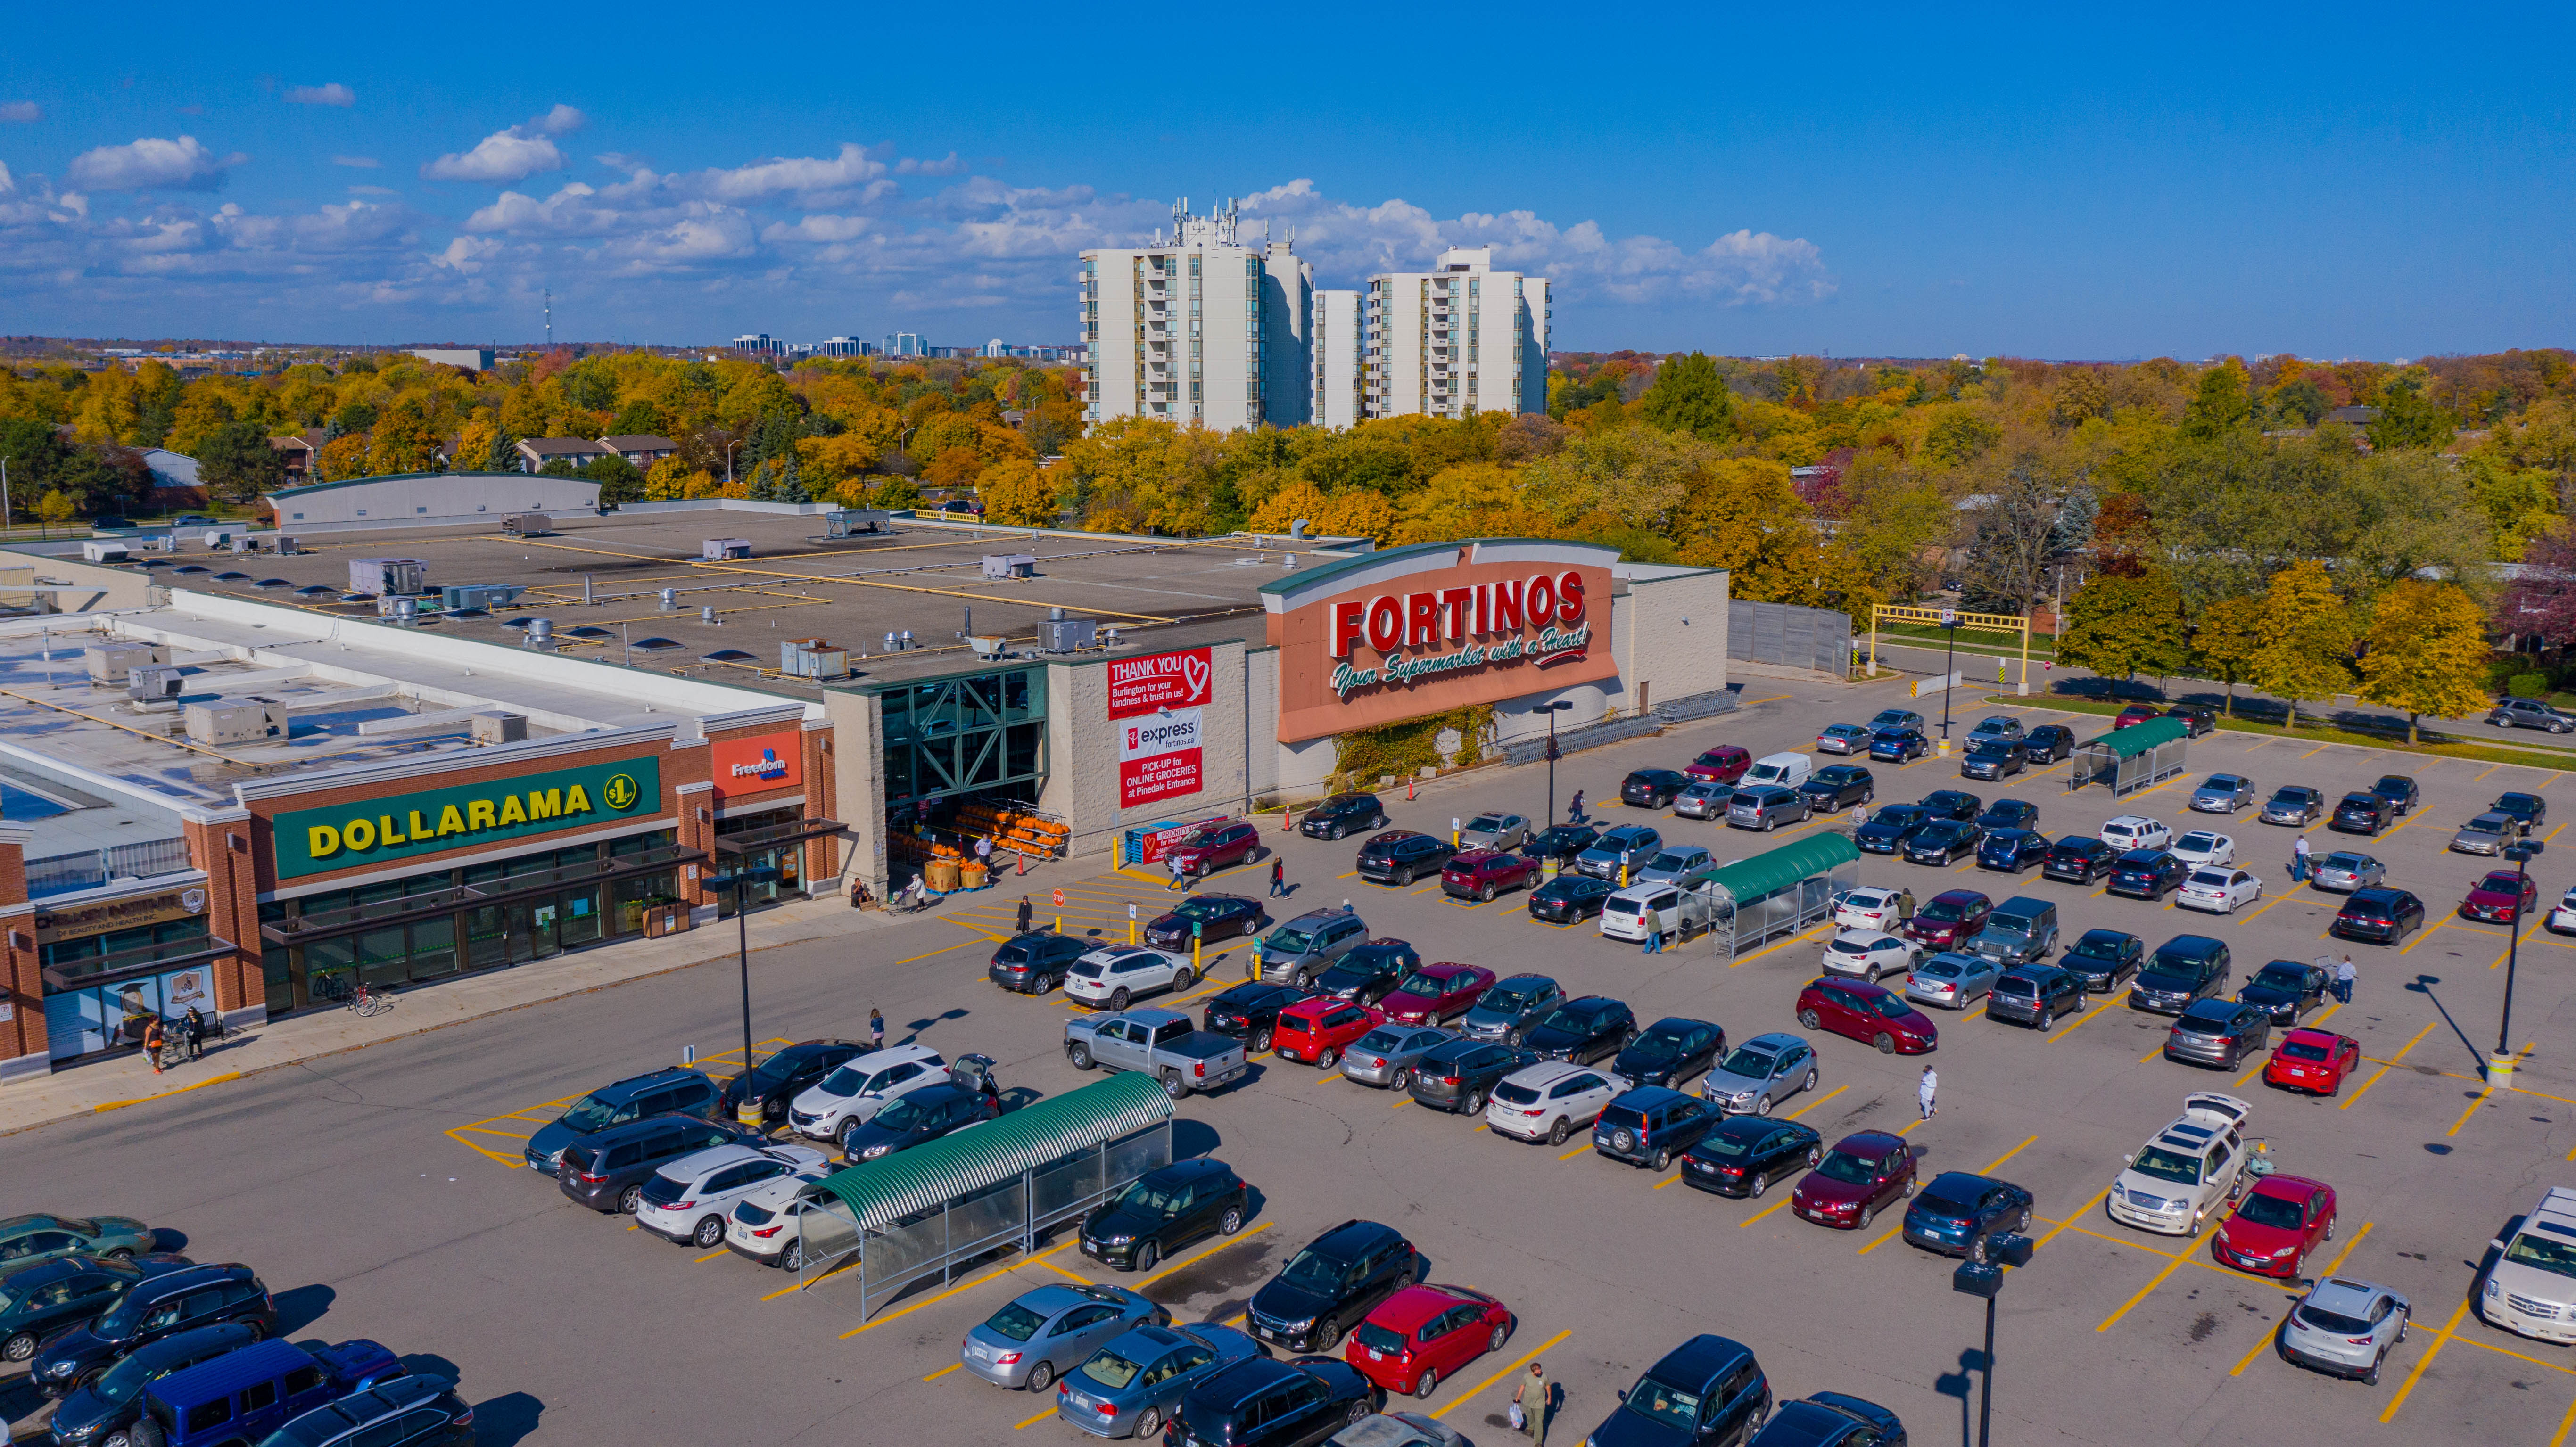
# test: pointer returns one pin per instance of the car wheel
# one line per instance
(1181, 979)
(1485, 894)
(710, 1233)
(1429, 1381)
(1885, 1042)
(1041, 1376)
(793, 1258)
(1809, 1018)
(1231, 1221)
(1146, 1257)
(1118, 999)
(1762, 1105)
(1379, 822)
(2045, 1020)
(1328, 1058)
(1767, 822)
(1659, 1160)
(1174, 1086)
(1475, 1102)
(1867, 1213)
(1149, 1424)
(1401, 1080)
(1512, 1038)
(1078, 1053)
(2195, 1225)
(2371, 1378)
(18, 1348)
(1338, 831)
(1260, 1041)
(629, 1199)
(1815, 1154)
(121, 1253)
(1865, 797)
(1328, 1336)
(1557, 1133)
(1305, 980)
(1811, 1079)
(1402, 878)
(1761, 1183)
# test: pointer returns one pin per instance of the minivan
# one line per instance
(1765, 808)
(2021, 931)
(1661, 908)
(418, 1411)
(2183, 969)
(244, 1396)
(1785, 771)
(672, 1091)
(1300, 949)
(607, 1171)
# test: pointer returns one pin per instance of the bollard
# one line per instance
(1196, 966)
(1059, 924)
(2499, 1072)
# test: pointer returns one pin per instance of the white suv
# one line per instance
(2187, 1172)
(1108, 978)
(1867, 954)
(1551, 1100)
(2528, 1292)
(851, 1096)
(687, 1201)
(2136, 831)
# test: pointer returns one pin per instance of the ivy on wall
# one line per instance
(1363, 755)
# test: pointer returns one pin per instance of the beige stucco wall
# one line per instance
(1082, 750)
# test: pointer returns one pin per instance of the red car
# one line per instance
(2493, 897)
(2276, 1225)
(1863, 1011)
(2136, 713)
(1423, 1334)
(1317, 1031)
(1864, 1174)
(1721, 765)
(1480, 874)
(1213, 846)
(1952, 919)
(1435, 993)
(2312, 1060)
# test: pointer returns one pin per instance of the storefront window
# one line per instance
(981, 734)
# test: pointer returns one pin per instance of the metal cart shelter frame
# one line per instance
(2016, 623)
(1777, 893)
(2140, 756)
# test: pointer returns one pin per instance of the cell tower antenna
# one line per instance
(550, 319)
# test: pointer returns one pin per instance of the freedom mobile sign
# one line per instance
(405, 826)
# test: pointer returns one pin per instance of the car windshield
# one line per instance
(1350, 970)
(773, 1072)
(2270, 1211)
(1382, 1340)
(1314, 1270)
(1200, 909)
(2178, 965)
(2282, 977)
(1989, 747)
(1942, 909)
(1289, 940)
(2096, 947)
(2010, 924)
(1656, 1044)
(1844, 1166)
(2198, 841)
(1418, 983)
(2166, 1165)
(1938, 969)
(1662, 1402)
(843, 1082)
(1516, 1094)
(2487, 824)
(2302, 1050)
(1015, 1322)
(1380, 1040)
(588, 1114)
(2533, 1250)
(1484, 823)
(1897, 814)
(1670, 859)
(2355, 862)
(2210, 877)
(1108, 1370)
(2518, 803)
(2334, 1322)
(1566, 1017)
(1145, 1196)
(1506, 998)
(1751, 1064)
(1892, 1007)
(902, 1113)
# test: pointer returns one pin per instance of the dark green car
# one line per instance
(26, 1240)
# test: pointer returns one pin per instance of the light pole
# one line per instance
(737, 881)
(1949, 670)
(2500, 1065)
(729, 447)
(1551, 710)
(1982, 1274)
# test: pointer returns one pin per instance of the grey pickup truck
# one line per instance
(1160, 1043)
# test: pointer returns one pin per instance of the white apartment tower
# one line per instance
(1201, 328)
(1457, 340)
(1339, 342)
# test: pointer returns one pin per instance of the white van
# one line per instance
(1786, 771)
(1663, 907)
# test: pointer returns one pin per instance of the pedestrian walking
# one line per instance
(1654, 936)
(2299, 859)
(192, 1032)
(1531, 1397)
(984, 857)
(1025, 908)
(2343, 980)
(152, 1041)
(1180, 876)
(876, 1028)
(1923, 1093)
(1278, 877)
(1574, 808)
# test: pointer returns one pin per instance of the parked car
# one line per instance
(1958, 1213)
(1304, 947)
(40, 1298)
(1764, 808)
(1342, 814)
(1652, 788)
(1651, 1124)
(2223, 794)
(1401, 856)
(1952, 918)
(26, 1240)
(2079, 860)
(2296, 805)
(2010, 851)
(105, 1408)
(2344, 871)
(2276, 1224)
(1551, 1100)
(1898, 746)
(2502, 897)
(2344, 1327)
(2284, 990)
(1759, 1074)
(1509, 1007)
(1781, 770)
(1837, 787)
(606, 1171)
(2035, 995)
(1674, 864)
(1866, 907)
(2146, 874)
(2562, 918)
(1896, 718)
(1315, 1031)
(1131, 1386)
(1831, 1419)
(1993, 758)
(1865, 1173)
(1952, 804)
(1481, 874)
(1495, 831)
(2183, 969)
(1037, 962)
(2021, 931)
(1331, 1285)
(1997, 726)
(927, 1115)
(2201, 848)
(1670, 1051)
(1111, 977)
(2528, 713)
(161, 1304)
(1843, 739)
(1584, 1030)
(2218, 891)
(1387, 1055)
(2009, 814)
(1220, 844)
(687, 1200)
(2104, 959)
(2382, 916)
(1889, 829)
(2362, 814)
(1570, 898)
(1050, 1330)
(855, 1091)
(2487, 834)
(275, 1391)
(2186, 1171)
(2049, 743)
(1561, 844)
(1952, 981)
(2527, 1290)
(1267, 1403)
(1707, 1392)
(1746, 1155)
(2135, 831)
(1943, 842)
(2529, 810)
(1249, 1012)
(1159, 1043)
(765, 1228)
(2197, 719)
(670, 1091)
(1370, 972)
(2400, 790)
(1163, 1211)
(1459, 1075)
(1621, 848)
(1214, 917)
(1869, 954)
(1721, 765)
(2218, 1032)
(786, 1074)
(2315, 1061)
(1703, 800)
(1423, 1335)
(1871, 1013)
(1435, 993)
(2133, 715)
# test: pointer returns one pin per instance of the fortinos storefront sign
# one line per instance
(405, 826)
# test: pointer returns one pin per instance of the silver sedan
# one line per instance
(2223, 794)
(1703, 800)
(2488, 833)
(2344, 871)
(2346, 1328)
(1953, 982)
(1386, 1055)
(1494, 831)
(1052, 1330)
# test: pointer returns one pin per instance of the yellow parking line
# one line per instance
(1811, 1105)
(2384, 1069)
(943, 1371)
(2083, 1020)
(512, 1161)
(2489, 769)
(1033, 1421)
(712, 1255)
(2114, 1318)
(2479, 1100)
(1234, 1240)
(1911, 1124)
(1765, 1211)
(1578, 1150)
(2524, 939)
(2424, 934)
(2081, 1211)
(1884, 1238)
(1522, 1361)
(2441, 1339)
(1060, 1271)
(2008, 1155)
(2260, 1344)
(2563, 1424)
(1401, 1102)
(1782, 945)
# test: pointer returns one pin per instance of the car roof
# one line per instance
(1549, 1072)
(713, 1158)
(2376, 894)
(1351, 1236)
(1628, 831)
(620, 1091)
(1679, 1022)
(2288, 1188)
(1416, 1304)
(1244, 1380)
(875, 1060)
(2309, 1035)
(1959, 896)
(1775, 1042)
(1151, 1015)
(1960, 1185)
(2347, 1297)
(1701, 1359)
(2131, 820)
(1051, 1298)
(1544, 980)
(2190, 945)
(229, 1373)
(1325, 915)
(1872, 1142)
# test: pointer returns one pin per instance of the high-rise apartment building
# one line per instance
(1460, 339)
(1202, 328)
(1339, 342)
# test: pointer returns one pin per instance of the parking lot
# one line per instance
(384, 1182)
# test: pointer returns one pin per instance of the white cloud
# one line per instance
(783, 175)
(153, 164)
(21, 110)
(334, 94)
(510, 155)
(563, 120)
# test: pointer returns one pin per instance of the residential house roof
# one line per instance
(639, 442)
(559, 446)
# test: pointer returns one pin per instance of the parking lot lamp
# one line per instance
(2500, 1065)
(738, 881)
(1983, 1275)
(1551, 710)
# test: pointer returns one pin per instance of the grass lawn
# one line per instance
(2322, 734)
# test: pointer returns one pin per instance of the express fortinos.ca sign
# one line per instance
(404, 826)
(1159, 756)
(1182, 679)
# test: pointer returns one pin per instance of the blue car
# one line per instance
(1888, 830)
(1130, 1386)
(2012, 850)
(2146, 874)
(1897, 746)
(1960, 1211)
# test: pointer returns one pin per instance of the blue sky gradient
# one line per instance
(2105, 184)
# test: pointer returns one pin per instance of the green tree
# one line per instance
(2230, 632)
(237, 464)
(620, 481)
(2221, 405)
(2408, 418)
(2307, 635)
(2120, 627)
(32, 450)
(503, 455)
(2426, 652)
(1688, 395)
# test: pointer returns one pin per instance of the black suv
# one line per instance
(1458, 1075)
(1650, 1125)
(2529, 810)
(1163, 1211)
(607, 1171)
(1952, 804)
(1561, 842)
(2146, 874)
(161, 1306)
(2183, 969)
(788, 1074)
(2362, 814)
(415, 1411)
(1249, 1012)
(2104, 959)
(2197, 718)
(94, 1412)
(2009, 814)
(1670, 1051)
(1341, 814)
(1036, 963)
(922, 1116)
(2384, 916)
(1653, 788)
(2049, 743)
(1836, 787)
(1707, 1392)
(2079, 859)
(672, 1091)
(2397, 789)
(2035, 995)
(1327, 1288)
(1890, 828)
(1595, 1027)
(1259, 1402)
(1368, 973)
(1401, 856)
(36, 1301)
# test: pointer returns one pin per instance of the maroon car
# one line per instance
(2493, 897)
(1721, 765)
(1864, 1175)
(1480, 874)
(1952, 919)
(1213, 846)
(1863, 1011)
(1433, 993)
(2136, 713)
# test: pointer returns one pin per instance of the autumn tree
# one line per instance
(2306, 638)
(2230, 632)
(2120, 626)
(403, 441)
(1016, 492)
(1688, 395)
(54, 509)
(2426, 652)
(342, 458)
(2221, 405)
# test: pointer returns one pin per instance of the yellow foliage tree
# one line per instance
(828, 461)
(2426, 652)
(402, 441)
(668, 480)
(54, 510)
(343, 457)
(202, 412)
(1017, 492)
(109, 409)
(474, 442)
(2307, 634)
(2231, 633)
(1299, 501)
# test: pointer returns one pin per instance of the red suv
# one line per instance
(1865, 1174)
(1433, 993)
(1213, 846)
(1316, 1031)
(1480, 874)
(1423, 1334)
(1952, 919)
(1863, 1011)
(1721, 765)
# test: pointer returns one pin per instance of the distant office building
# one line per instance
(905, 344)
(842, 347)
(1460, 339)
(472, 359)
(1339, 342)
(1202, 328)
(757, 343)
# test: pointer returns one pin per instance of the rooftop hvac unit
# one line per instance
(104, 552)
(243, 721)
(851, 522)
(379, 576)
(219, 537)
(499, 726)
(285, 545)
(154, 683)
(527, 525)
(112, 662)
(1064, 635)
(813, 658)
(714, 550)
(487, 596)
(1010, 565)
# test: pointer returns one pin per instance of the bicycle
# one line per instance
(369, 1001)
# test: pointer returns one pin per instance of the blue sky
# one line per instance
(2103, 185)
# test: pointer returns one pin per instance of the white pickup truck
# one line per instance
(1160, 1043)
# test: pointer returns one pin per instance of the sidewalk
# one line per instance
(111, 1084)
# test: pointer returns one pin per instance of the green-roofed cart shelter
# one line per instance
(990, 1188)
(2140, 756)
(1778, 892)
